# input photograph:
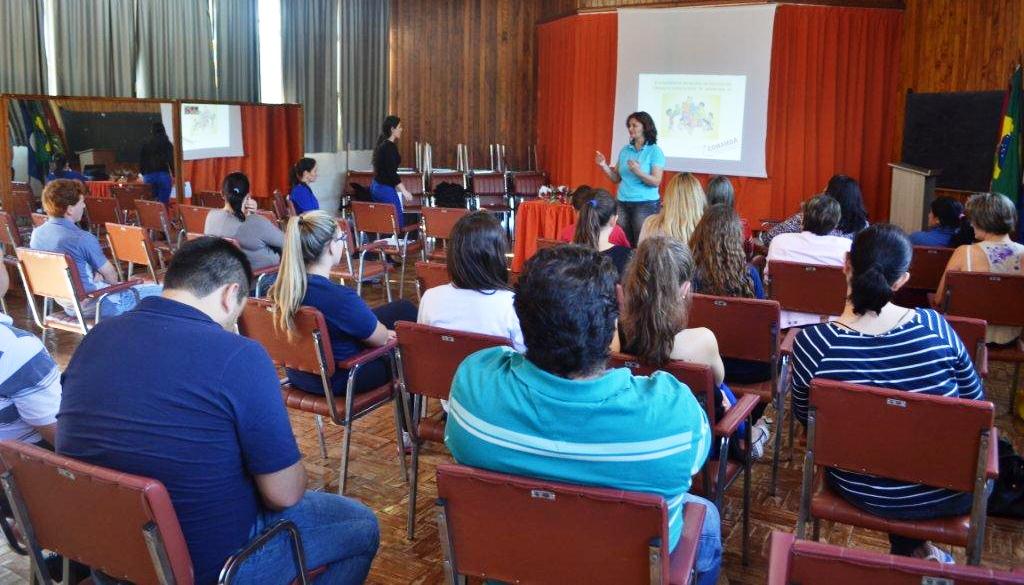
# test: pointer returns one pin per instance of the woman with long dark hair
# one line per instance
(638, 174)
(594, 229)
(156, 161)
(258, 237)
(302, 174)
(387, 186)
(853, 217)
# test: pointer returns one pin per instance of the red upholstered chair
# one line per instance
(748, 329)
(996, 298)
(714, 479)
(438, 223)
(23, 203)
(490, 192)
(353, 180)
(428, 357)
(52, 275)
(131, 244)
(122, 525)
(520, 530)
(101, 211)
(153, 217)
(526, 184)
(367, 271)
(972, 334)
(126, 196)
(927, 266)
(282, 208)
(453, 177)
(429, 275)
(380, 218)
(858, 429)
(415, 183)
(193, 219)
(211, 199)
(816, 563)
(807, 288)
(308, 350)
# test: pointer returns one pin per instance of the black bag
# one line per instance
(360, 193)
(1007, 499)
(450, 195)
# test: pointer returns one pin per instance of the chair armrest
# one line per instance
(409, 228)
(981, 360)
(684, 557)
(786, 347)
(736, 414)
(367, 356)
(234, 562)
(778, 563)
(266, 270)
(112, 288)
(992, 461)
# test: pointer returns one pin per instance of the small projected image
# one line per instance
(698, 116)
(690, 114)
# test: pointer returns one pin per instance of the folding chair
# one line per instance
(453, 177)
(153, 217)
(995, 298)
(526, 185)
(428, 357)
(282, 208)
(807, 288)
(429, 275)
(521, 530)
(101, 211)
(972, 334)
(748, 329)
(131, 244)
(380, 218)
(22, 204)
(926, 268)
(119, 524)
(366, 271)
(438, 223)
(354, 179)
(490, 192)
(126, 196)
(211, 199)
(193, 220)
(816, 563)
(308, 349)
(716, 477)
(53, 275)
(415, 183)
(858, 429)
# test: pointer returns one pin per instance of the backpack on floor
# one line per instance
(1007, 499)
(450, 195)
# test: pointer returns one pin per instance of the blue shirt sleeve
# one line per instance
(303, 198)
(90, 249)
(755, 278)
(348, 313)
(657, 156)
(264, 432)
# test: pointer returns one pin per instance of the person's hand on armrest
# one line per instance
(282, 489)
(109, 273)
(381, 336)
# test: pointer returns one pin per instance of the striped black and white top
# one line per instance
(923, 354)
(29, 384)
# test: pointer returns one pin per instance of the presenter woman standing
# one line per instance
(638, 174)
(387, 185)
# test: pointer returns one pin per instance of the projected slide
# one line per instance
(211, 131)
(698, 116)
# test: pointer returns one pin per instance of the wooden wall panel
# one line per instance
(953, 45)
(462, 71)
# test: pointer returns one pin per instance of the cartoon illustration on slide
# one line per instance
(690, 115)
(201, 121)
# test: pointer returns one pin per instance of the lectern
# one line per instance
(913, 189)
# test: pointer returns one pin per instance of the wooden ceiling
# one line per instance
(552, 9)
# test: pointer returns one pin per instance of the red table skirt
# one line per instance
(538, 219)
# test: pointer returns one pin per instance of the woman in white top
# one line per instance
(993, 218)
(478, 298)
(813, 245)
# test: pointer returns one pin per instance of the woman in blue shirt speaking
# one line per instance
(638, 174)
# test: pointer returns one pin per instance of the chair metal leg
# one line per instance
(401, 283)
(1013, 388)
(345, 442)
(723, 464)
(816, 531)
(413, 484)
(3, 306)
(746, 493)
(320, 435)
(780, 414)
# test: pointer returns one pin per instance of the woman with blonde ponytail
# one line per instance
(313, 244)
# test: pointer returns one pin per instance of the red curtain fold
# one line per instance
(831, 105)
(272, 136)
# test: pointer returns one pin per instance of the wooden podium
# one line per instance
(913, 189)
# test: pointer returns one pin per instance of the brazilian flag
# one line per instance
(1006, 177)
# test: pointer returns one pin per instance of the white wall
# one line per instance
(331, 169)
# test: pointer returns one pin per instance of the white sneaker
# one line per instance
(759, 436)
(930, 552)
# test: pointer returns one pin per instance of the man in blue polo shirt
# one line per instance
(556, 413)
(165, 391)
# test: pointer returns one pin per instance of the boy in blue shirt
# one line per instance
(557, 413)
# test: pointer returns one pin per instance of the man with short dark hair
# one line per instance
(166, 391)
(557, 413)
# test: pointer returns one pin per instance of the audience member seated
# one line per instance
(29, 384)
(681, 210)
(556, 413)
(720, 192)
(61, 169)
(853, 216)
(994, 219)
(313, 244)
(594, 229)
(203, 415)
(303, 173)
(878, 343)
(722, 267)
(64, 202)
(258, 237)
(653, 323)
(478, 299)
(816, 244)
(581, 195)
(943, 224)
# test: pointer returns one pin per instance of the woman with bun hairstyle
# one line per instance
(878, 343)
(303, 173)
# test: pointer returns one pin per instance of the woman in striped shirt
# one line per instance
(880, 344)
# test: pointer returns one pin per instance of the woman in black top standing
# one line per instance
(156, 161)
(387, 186)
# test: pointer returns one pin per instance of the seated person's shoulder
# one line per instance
(663, 396)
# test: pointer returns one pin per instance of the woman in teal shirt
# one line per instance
(638, 174)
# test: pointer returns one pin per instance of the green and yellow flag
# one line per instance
(1007, 174)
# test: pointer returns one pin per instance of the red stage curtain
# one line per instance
(831, 106)
(272, 136)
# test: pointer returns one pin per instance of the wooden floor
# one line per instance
(374, 479)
